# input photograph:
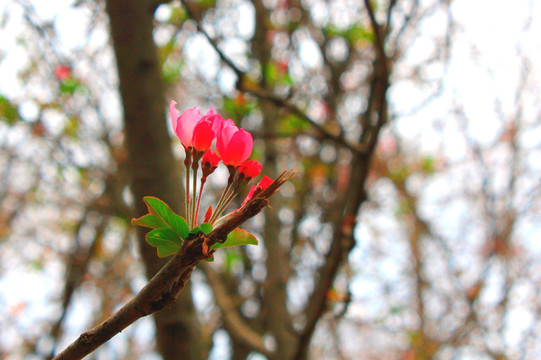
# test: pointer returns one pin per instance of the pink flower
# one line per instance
(191, 129)
(249, 170)
(234, 145)
(256, 189)
(202, 136)
(214, 119)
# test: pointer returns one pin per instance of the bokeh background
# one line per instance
(411, 230)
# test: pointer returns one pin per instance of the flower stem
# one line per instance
(219, 204)
(187, 163)
(224, 201)
(199, 198)
(224, 218)
(194, 190)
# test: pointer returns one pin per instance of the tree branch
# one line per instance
(164, 288)
(378, 38)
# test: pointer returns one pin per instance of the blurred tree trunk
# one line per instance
(153, 170)
(277, 319)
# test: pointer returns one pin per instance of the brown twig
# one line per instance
(164, 288)
(379, 39)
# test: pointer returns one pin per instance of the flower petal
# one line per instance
(173, 112)
(186, 124)
(225, 135)
(239, 148)
(202, 136)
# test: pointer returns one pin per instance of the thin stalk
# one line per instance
(241, 185)
(231, 181)
(199, 199)
(224, 218)
(194, 189)
(187, 163)
(226, 200)
(219, 204)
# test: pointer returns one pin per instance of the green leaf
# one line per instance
(160, 236)
(271, 73)
(71, 127)
(69, 86)
(400, 174)
(354, 34)
(293, 124)
(206, 3)
(237, 237)
(358, 33)
(206, 228)
(161, 210)
(275, 73)
(428, 165)
(238, 107)
(167, 250)
(171, 71)
(178, 15)
(166, 240)
(149, 221)
(8, 111)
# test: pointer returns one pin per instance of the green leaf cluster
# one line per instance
(170, 230)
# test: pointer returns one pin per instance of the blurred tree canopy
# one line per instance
(409, 231)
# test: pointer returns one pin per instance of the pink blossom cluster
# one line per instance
(233, 147)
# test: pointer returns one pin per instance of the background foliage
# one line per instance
(409, 232)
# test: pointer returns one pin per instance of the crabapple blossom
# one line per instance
(234, 145)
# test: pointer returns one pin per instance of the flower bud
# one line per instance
(256, 189)
(249, 170)
(209, 163)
